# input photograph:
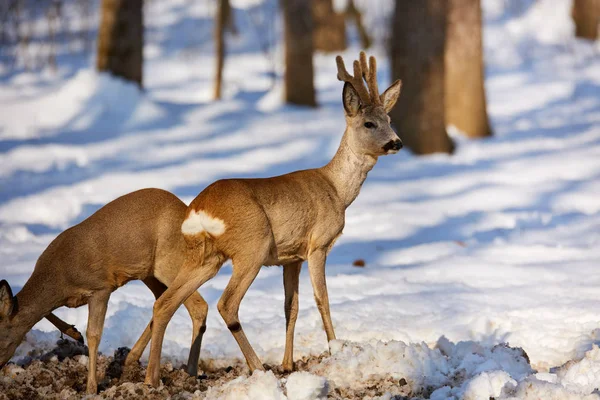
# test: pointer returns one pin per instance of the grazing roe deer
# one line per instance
(137, 236)
(282, 220)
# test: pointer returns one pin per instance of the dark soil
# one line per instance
(62, 374)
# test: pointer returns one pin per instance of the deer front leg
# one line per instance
(97, 305)
(198, 310)
(229, 305)
(291, 279)
(157, 288)
(316, 268)
(196, 306)
(138, 348)
(189, 279)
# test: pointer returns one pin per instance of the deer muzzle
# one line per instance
(393, 146)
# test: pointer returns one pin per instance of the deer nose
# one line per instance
(393, 145)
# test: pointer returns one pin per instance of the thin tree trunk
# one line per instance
(586, 16)
(222, 17)
(329, 27)
(417, 56)
(354, 13)
(121, 39)
(53, 15)
(465, 91)
(299, 75)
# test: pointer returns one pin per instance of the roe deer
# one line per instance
(137, 236)
(282, 220)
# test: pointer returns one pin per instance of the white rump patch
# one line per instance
(199, 221)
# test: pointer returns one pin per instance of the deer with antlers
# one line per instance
(137, 236)
(283, 220)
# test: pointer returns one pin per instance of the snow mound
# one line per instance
(259, 386)
(487, 385)
(575, 380)
(535, 389)
(306, 386)
(466, 370)
(582, 376)
(357, 365)
(472, 358)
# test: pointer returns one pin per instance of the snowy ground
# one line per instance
(497, 243)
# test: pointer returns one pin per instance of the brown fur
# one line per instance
(283, 220)
(137, 236)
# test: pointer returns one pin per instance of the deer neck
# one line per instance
(347, 170)
(34, 302)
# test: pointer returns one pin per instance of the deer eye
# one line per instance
(370, 125)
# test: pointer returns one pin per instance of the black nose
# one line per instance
(394, 145)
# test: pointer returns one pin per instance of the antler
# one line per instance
(356, 81)
(370, 75)
(368, 94)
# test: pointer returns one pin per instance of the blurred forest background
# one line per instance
(434, 46)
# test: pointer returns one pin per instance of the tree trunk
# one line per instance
(465, 91)
(298, 27)
(121, 39)
(417, 57)
(586, 16)
(221, 19)
(354, 13)
(330, 27)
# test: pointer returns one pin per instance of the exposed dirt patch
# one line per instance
(62, 374)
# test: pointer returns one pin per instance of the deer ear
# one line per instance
(350, 99)
(390, 96)
(8, 303)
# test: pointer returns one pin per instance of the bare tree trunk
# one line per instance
(121, 39)
(53, 15)
(465, 91)
(354, 13)
(299, 74)
(586, 15)
(221, 19)
(329, 27)
(417, 56)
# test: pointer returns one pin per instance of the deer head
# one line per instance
(368, 124)
(8, 309)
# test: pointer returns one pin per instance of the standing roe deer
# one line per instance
(282, 220)
(137, 236)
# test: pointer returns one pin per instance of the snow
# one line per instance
(534, 389)
(354, 364)
(260, 385)
(498, 243)
(487, 385)
(305, 386)
(583, 375)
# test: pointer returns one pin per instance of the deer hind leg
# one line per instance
(243, 275)
(316, 268)
(198, 309)
(97, 305)
(188, 280)
(291, 279)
